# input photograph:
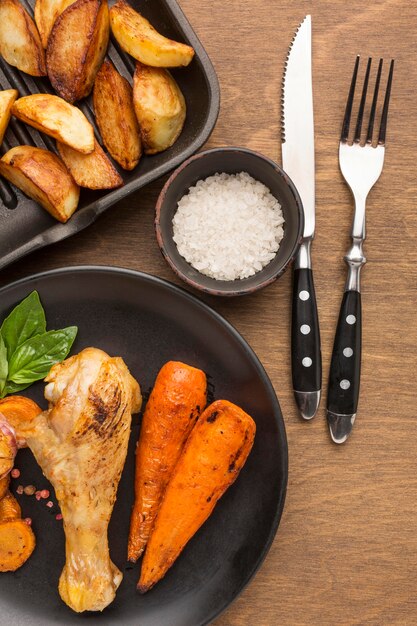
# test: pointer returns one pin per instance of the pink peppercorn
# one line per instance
(50, 504)
(58, 516)
(28, 521)
(44, 493)
(19, 490)
(38, 495)
(15, 473)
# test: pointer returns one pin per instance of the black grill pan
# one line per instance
(24, 225)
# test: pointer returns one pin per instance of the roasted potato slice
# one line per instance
(94, 171)
(7, 97)
(55, 117)
(115, 116)
(159, 106)
(42, 176)
(20, 44)
(139, 38)
(76, 48)
(46, 12)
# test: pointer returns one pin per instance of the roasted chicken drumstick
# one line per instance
(81, 442)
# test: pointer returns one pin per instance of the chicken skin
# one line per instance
(81, 442)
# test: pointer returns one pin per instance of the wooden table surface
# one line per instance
(346, 549)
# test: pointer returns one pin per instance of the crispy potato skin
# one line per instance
(20, 44)
(42, 176)
(46, 12)
(57, 118)
(160, 107)
(7, 98)
(140, 39)
(212, 458)
(176, 401)
(94, 171)
(115, 116)
(76, 48)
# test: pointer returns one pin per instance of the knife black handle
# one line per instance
(345, 368)
(305, 334)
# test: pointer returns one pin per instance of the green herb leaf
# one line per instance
(14, 388)
(25, 321)
(4, 366)
(34, 358)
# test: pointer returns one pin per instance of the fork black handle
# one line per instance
(305, 344)
(345, 368)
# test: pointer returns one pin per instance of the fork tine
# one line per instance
(384, 116)
(374, 103)
(348, 112)
(358, 129)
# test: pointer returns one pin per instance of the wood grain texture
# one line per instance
(346, 549)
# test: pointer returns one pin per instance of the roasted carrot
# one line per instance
(17, 543)
(18, 409)
(213, 456)
(4, 485)
(178, 397)
(9, 508)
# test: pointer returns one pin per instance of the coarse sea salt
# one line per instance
(228, 226)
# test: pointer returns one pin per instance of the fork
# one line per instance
(361, 165)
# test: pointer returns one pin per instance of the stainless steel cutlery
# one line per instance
(298, 162)
(361, 162)
(361, 159)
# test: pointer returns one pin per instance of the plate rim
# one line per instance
(277, 414)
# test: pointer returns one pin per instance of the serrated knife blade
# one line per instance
(298, 162)
(298, 121)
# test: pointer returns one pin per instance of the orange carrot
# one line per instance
(18, 409)
(213, 456)
(178, 397)
(17, 543)
(4, 485)
(9, 508)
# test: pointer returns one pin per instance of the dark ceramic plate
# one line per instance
(148, 322)
(24, 225)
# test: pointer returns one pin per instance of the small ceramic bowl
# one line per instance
(231, 161)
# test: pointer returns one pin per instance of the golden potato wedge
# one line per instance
(115, 116)
(76, 48)
(20, 44)
(94, 171)
(42, 176)
(57, 118)
(46, 12)
(159, 106)
(7, 97)
(140, 39)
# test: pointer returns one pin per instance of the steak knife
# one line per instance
(298, 163)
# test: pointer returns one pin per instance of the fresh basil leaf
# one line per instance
(4, 366)
(25, 321)
(14, 388)
(34, 358)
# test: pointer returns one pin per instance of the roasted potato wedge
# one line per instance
(115, 116)
(20, 44)
(7, 97)
(76, 48)
(42, 176)
(159, 106)
(94, 171)
(140, 39)
(55, 117)
(46, 12)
